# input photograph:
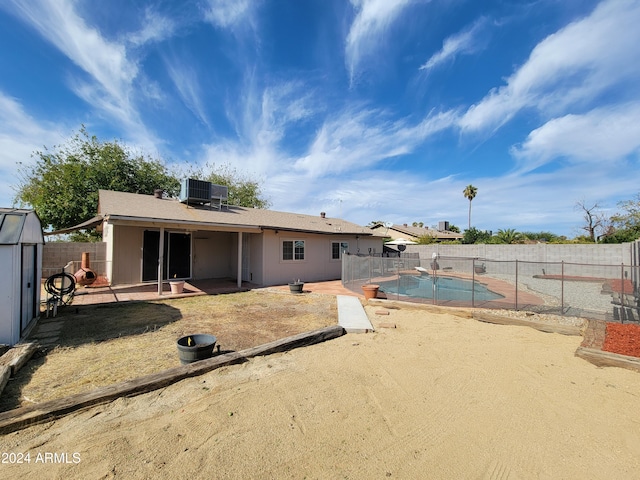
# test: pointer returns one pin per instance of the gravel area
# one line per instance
(580, 295)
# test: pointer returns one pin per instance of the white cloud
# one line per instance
(20, 136)
(106, 62)
(186, 80)
(569, 68)
(464, 42)
(602, 135)
(155, 28)
(111, 75)
(228, 13)
(372, 19)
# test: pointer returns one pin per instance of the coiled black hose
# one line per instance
(60, 285)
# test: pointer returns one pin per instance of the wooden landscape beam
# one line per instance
(23, 417)
(608, 359)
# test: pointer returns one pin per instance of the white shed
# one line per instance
(21, 242)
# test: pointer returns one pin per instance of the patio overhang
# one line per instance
(180, 224)
(93, 222)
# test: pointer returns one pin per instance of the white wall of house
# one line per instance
(215, 255)
(317, 265)
(256, 258)
(211, 258)
(127, 257)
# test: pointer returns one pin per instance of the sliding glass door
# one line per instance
(177, 255)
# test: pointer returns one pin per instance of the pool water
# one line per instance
(444, 288)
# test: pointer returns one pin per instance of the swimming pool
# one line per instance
(443, 288)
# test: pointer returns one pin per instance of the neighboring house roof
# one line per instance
(121, 206)
(413, 233)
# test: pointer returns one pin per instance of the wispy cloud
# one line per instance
(104, 61)
(20, 136)
(569, 68)
(373, 18)
(603, 135)
(155, 28)
(229, 13)
(108, 85)
(186, 80)
(465, 42)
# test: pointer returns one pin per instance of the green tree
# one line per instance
(62, 186)
(470, 193)
(454, 228)
(426, 239)
(243, 190)
(624, 226)
(473, 235)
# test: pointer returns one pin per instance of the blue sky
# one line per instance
(364, 109)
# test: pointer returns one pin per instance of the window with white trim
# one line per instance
(337, 249)
(293, 250)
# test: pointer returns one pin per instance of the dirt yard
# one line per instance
(439, 396)
(105, 344)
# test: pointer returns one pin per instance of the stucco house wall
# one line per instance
(318, 263)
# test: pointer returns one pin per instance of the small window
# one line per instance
(10, 228)
(337, 249)
(293, 250)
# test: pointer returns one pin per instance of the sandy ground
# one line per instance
(437, 397)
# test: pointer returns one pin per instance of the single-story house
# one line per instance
(413, 233)
(151, 237)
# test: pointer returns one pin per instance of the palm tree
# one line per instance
(470, 192)
(508, 236)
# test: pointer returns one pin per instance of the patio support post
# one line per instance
(239, 259)
(160, 260)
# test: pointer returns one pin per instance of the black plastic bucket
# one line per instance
(196, 347)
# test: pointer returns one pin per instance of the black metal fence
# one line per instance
(604, 292)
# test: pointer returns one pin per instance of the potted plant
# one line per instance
(370, 290)
(177, 286)
(296, 286)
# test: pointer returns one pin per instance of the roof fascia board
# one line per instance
(320, 232)
(156, 222)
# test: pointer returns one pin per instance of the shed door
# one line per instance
(28, 292)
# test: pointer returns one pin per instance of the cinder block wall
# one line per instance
(56, 255)
(601, 254)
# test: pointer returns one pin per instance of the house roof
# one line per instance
(131, 207)
(416, 232)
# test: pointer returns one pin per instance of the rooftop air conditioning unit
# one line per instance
(219, 192)
(443, 226)
(219, 196)
(195, 191)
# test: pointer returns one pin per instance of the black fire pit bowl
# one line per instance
(195, 347)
